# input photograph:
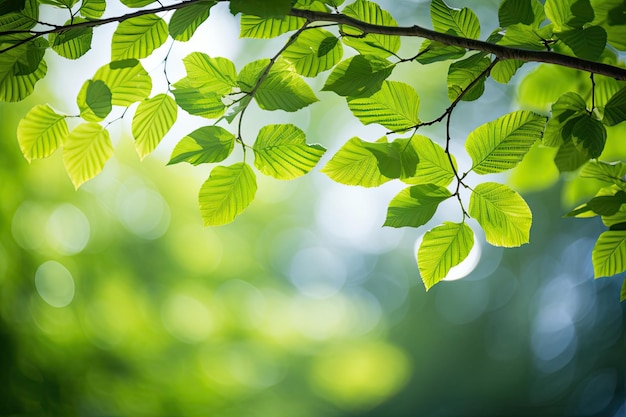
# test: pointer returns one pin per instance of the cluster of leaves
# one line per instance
(586, 31)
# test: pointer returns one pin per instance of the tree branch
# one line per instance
(500, 51)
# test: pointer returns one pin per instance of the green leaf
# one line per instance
(23, 19)
(587, 43)
(137, 3)
(565, 112)
(281, 151)
(12, 6)
(198, 101)
(250, 74)
(20, 69)
(431, 51)
(415, 206)
(434, 165)
(138, 37)
(284, 89)
(185, 21)
(524, 37)
(94, 100)
(372, 44)
(128, 81)
(569, 13)
(153, 119)
(604, 205)
(610, 15)
(501, 144)
(359, 76)
(442, 248)
(615, 108)
(569, 158)
(228, 191)
(41, 132)
(266, 28)
(355, 164)
(73, 43)
(460, 22)
(265, 8)
(462, 73)
(85, 151)
(589, 136)
(216, 75)
(503, 71)
(611, 172)
(609, 254)
(502, 213)
(204, 145)
(314, 51)
(92, 9)
(395, 106)
(527, 12)
(622, 293)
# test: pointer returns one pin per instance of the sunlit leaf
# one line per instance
(431, 51)
(282, 152)
(128, 81)
(137, 3)
(442, 248)
(20, 69)
(285, 90)
(73, 43)
(23, 19)
(461, 22)
(374, 44)
(604, 205)
(415, 206)
(198, 101)
(92, 9)
(463, 73)
(611, 172)
(610, 15)
(85, 151)
(569, 13)
(315, 51)
(354, 164)
(204, 145)
(361, 75)
(434, 166)
(587, 43)
(94, 100)
(501, 144)
(153, 119)
(395, 106)
(565, 111)
(502, 213)
(615, 108)
(216, 75)
(523, 36)
(186, 20)
(138, 37)
(609, 254)
(227, 192)
(41, 132)
(265, 28)
(503, 71)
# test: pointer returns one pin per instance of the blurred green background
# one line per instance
(115, 301)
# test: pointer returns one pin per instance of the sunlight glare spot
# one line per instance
(68, 230)
(55, 284)
(187, 319)
(465, 267)
(317, 273)
(143, 212)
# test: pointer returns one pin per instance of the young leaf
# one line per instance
(137, 3)
(612, 172)
(94, 100)
(266, 28)
(185, 21)
(565, 112)
(282, 152)
(525, 37)
(85, 151)
(273, 8)
(569, 13)
(501, 144)
(442, 248)
(227, 192)
(216, 75)
(198, 101)
(20, 69)
(527, 12)
(204, 145)
(586, 43)
(284, 89)
(137, 37)
(415, 206)
(431, 51)
(462, 73)
(374, 44)
(314, 51)
(615, 108)
(604, 205)
(41, 132)
(609, 254)
(153, 119)
(569, 158)
(354, 164)
(359, 76)
(434, 165)
(503, 71)
(22, 19)
(73, 43)
(502, 213)
(92, 9)
(589, 136)
(394, 106)
(128, 81)
(461, 22)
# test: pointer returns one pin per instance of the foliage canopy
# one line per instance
(359, 44)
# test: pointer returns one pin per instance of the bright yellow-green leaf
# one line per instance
(93, 9)
(185, 21)
(282, 152)
(609, 254)
(503, 71)
(153, 119)
(41, 132)
(73, 43)
(622, 293)
(284, 89)
(85, 151)
(375, 44)
(198, 101)
(227, 192)
(360, 75)
(527, 12)
(501, 144)
(395, 106)
(204, 145)
(128, 81)
(434, 165)
(268, 27)
(354, 164)
(315, 51)
(461, 22)
(94, 100)
(502, 213)
(415, 206)
(217, 75)
(569, 13)
(20, 69)
(442, 248)
(137, 3)
(137, 37)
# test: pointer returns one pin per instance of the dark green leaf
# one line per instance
(186, 20)
(569, 158)
(415, 206)
(431, 51)
(604, 205)
(565, 113)
(198, 101)
(527, 12)
(359, 76)
(587, 43)
(569, 13)
(7, 7)
(94, 100)
(615, 108)
(589, 136)
(262, 8)
(73, 43)
(462, 73)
